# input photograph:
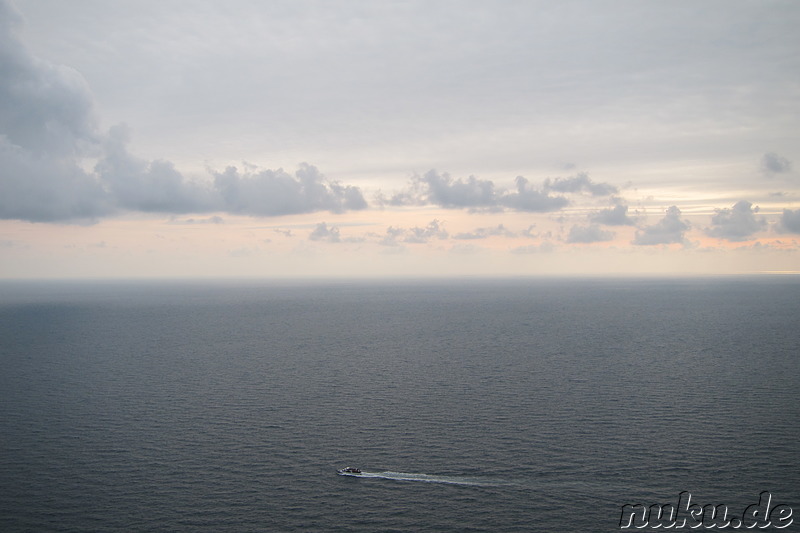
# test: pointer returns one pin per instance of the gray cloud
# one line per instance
(579, 183)
(7, 243)
(668, 230)
(149, 186)
(216, 220)
(416, 235)
(476, 194)
(772, 163)
(45, 109)
(531, 200)
(443, 190)
(45, 121)
(529, 233)
(736, 224)
(275, 192)
(392, 236)
(434, 230)
(616, 216)
(482, 233)
(324, 233)
(47, 189)
(48, 130)
(588, 234)
(790, 221)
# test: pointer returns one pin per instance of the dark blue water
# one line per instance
(476, 405)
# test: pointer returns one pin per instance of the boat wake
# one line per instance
(425, 478)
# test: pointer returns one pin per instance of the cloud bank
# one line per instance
(441, 189)
(48, 132)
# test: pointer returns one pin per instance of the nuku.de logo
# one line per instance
(691, 515)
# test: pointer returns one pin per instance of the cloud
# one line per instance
(588, 234)
(46, 120)
(45, 109)
(579, 183)
(323, 233)
(616, 216)
(392, 236)
(216, 219)
(434, 230)
(475, 194)
(482, 233)
(47, 189)
(790, 221)
(529, 233)
(441, 189)
(416, 235)
(772, 163)
(736, 224)
(155, 186)
(275, 192)
(668, 230)
(48, 131)
(530, 200)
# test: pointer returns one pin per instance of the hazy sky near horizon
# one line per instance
(367, 138)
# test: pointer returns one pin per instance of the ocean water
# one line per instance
(471, 405)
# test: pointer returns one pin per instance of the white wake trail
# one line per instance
(426, 478)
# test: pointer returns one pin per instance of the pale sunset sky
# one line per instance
(297, 138)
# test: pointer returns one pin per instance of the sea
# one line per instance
(470, 405)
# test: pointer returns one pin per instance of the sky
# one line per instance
(301, 138)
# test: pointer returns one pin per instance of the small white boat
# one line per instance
(349, 471)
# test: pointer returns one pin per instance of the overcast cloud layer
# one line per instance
(604, 123)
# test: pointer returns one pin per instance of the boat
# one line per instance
(349, 471)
